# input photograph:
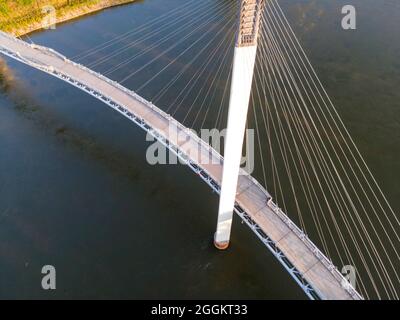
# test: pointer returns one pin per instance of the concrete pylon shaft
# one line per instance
(242, 78)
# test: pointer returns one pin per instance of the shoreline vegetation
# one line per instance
(20, 17)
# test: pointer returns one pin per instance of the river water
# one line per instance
(77, 192)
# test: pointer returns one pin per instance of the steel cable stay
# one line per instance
(374, 231)
(283, 96)
(185, 22)
(169, 49)
(332, 112)
(140, 29)
(288, 94)
(371, 243)
(179, 25)
(306, 113)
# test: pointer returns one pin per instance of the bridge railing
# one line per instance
(317, 252)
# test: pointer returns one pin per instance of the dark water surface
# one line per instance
(76, 191)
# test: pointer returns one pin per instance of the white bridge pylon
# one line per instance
(242, 78)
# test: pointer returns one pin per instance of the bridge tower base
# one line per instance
(242, 78)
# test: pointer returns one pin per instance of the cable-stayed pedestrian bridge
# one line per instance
(309, 163)
(314, 272)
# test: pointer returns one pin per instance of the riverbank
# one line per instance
(24, 16)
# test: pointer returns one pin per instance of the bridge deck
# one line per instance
(285, 240)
